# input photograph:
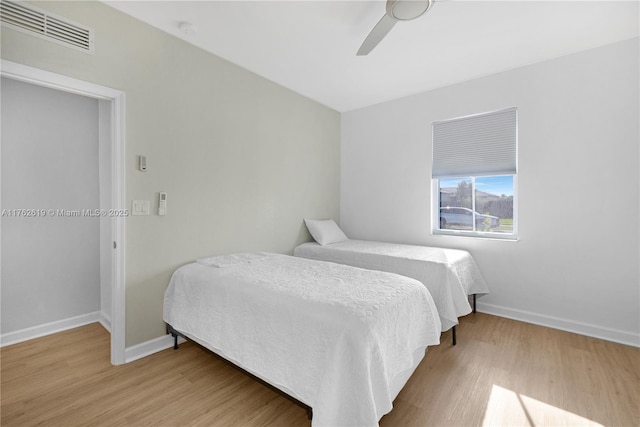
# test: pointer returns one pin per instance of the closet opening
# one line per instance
(63, 169)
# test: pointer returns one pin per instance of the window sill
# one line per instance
(472, 234)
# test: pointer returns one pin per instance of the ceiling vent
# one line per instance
(40, 23)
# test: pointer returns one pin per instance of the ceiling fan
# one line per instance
(397, 10)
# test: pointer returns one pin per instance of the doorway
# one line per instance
(112, 204)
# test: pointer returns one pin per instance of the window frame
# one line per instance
(435, 212)
(470, 147)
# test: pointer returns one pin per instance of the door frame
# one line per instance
(114, 101)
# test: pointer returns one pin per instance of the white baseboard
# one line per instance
(48, 328)
(607, 334)
(105, 321)
(147, 348)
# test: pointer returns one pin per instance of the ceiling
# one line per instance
(310, 46)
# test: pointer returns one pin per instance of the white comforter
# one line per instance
(449, 274)
(343, 340)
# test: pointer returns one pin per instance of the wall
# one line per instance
(51, 265)
(242, 159)
(575, 266)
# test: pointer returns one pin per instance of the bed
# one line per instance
(341, 340)
(451, 275)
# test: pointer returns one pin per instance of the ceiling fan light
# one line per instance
(405, 10)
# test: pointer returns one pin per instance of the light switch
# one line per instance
(141, 207)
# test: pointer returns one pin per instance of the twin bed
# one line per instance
(450, 275)
(337, 338)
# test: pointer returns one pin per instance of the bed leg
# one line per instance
(174, 334)
(453, 335)
(175, 341)
(474, 303)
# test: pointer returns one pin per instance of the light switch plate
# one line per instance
(141, 207)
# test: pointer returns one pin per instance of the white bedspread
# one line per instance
(449, 274)
(343, 340)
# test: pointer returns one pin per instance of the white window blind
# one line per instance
(478, 145)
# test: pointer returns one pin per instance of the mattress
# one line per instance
(449, 274)
(340, 339)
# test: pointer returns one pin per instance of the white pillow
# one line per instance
(325, 231)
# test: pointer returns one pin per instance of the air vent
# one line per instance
(40, 23)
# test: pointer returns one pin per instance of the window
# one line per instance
(476, 204)
(475, 175)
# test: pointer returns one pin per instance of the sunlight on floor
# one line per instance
(506, 407)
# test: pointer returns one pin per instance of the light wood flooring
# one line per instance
(501, 373)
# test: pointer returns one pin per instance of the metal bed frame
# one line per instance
(175, 334)
(453, 330)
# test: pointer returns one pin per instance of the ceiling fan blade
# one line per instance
(377, 33)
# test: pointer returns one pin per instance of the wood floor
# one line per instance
(501, 373)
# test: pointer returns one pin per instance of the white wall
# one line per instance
(50, 264)
(576, 263)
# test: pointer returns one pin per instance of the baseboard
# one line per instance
(607, 334)
(147, 348)
(105, 321)
(48, 328)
